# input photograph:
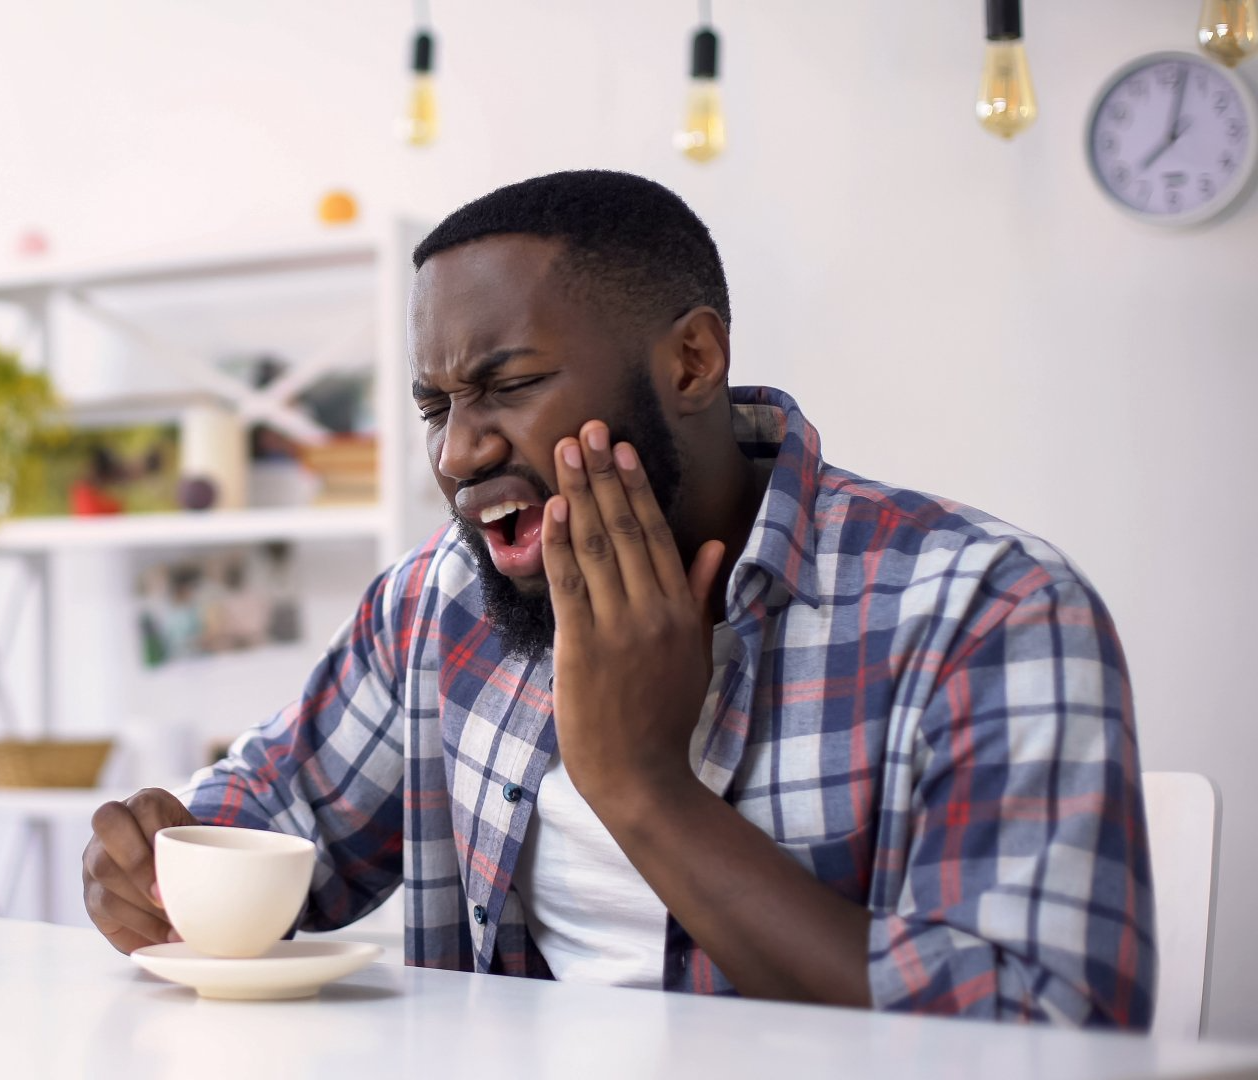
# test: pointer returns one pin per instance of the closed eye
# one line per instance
(516, 385)
(431, 411)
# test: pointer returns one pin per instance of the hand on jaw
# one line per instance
(633, 639)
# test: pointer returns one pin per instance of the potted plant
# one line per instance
(26, 397)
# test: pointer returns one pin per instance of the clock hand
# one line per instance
(1177, 106)
(1158, 151)
(1174, 131)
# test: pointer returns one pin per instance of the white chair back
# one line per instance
(1183, 811)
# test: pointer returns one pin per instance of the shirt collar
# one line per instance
(781, 550)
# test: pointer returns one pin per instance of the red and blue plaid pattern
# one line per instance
(926, 707)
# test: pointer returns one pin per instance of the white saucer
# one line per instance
(289, 969)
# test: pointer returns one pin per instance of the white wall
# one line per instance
(956, 314)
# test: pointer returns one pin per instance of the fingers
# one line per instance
(125, 926)
(118, 869)
(619, 536)
(568, 594)
(655, 535)
(591, 544)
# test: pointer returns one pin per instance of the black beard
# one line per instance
(525, 620)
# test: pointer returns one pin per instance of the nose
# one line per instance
(468, 447)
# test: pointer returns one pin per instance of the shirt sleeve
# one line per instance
(1028, 890)
(330, 766)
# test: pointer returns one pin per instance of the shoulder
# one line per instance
(914, 535)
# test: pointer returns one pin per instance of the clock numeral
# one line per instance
(1121, 175)
(1138, 87)
(1168, 75)
(1120, 113)
(1109, 143)
(1226, 162)
(1143, 190)
(1220, 102)
(1174, 179)
(1206, 186)
(1173, 200)
(1235, 129)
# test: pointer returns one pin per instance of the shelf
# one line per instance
(38, 535)
(354, 248)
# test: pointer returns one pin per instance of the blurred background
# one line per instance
(955, 312)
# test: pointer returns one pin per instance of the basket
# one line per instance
(45, 763)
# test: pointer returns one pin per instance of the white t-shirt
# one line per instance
(589, 911)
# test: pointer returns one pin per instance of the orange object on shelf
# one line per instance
(338, 208)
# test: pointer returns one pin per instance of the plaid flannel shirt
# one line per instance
(926, 707)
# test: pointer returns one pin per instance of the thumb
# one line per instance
(703, 571)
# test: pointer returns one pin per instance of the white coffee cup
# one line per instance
(232, 892)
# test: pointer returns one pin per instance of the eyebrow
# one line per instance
(481, 370)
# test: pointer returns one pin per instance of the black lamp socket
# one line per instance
(425, 50)
(1004, 20)
(703, 64)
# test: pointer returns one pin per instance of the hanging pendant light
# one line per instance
(421, 123)
(1228, 29)
(702, 136)
(1006, 100)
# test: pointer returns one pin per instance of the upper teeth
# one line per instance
(493, 513)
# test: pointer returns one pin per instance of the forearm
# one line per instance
(765, 921)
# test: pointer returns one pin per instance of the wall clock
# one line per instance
(1173, 138)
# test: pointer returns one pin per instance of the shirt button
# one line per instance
(512, 792)
(478, 913)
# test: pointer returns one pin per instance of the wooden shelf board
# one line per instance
(184, 528)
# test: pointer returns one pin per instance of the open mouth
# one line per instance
(505, 518)
(513, 531)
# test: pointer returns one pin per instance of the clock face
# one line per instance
(1173, 138)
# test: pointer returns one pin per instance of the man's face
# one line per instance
(505, 365)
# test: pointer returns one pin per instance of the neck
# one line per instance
(723, 506)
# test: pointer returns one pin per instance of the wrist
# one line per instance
(640, 804)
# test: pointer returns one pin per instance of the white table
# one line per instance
(71, 1007)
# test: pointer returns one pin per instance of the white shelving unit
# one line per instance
(38, 299)
(49, 535)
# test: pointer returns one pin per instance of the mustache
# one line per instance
(521, 472)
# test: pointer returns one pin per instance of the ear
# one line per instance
(699, 360)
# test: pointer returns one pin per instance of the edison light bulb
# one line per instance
(703, 134)
(1006, 99)
(421, 123)
(1228, 29)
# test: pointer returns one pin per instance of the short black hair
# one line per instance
(632, 247)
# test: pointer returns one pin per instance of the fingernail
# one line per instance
(596, 437)
(173, 937)
(572, 456)
(559, 508)
(156, 895)
(624, 456)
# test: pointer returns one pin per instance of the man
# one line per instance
(674, 703)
